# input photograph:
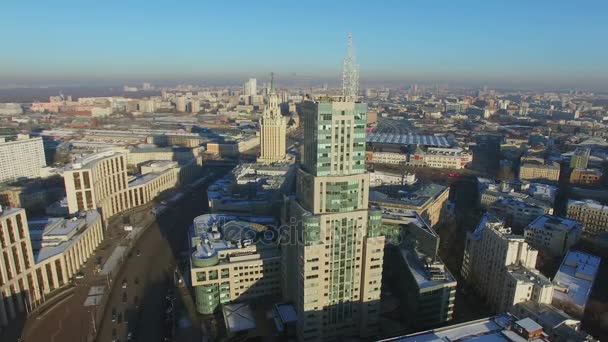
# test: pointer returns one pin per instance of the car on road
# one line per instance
(136, 302)
(113, 315)
(454, 174)
(79, 275)
(124, 297)
(138, 253)
(124, 283)
(129, 336)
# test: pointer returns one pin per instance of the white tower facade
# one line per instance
(273, 130)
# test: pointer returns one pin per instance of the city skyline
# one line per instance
(517, 44)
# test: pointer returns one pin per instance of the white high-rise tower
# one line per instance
(273, 130)
(333, 260)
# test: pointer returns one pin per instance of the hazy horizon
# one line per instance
(516, 44)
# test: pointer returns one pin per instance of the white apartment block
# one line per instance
(100, 182)
(501, 266)
(518, 213)
(96, 182)
(389, 158)
(32, 266)
(591, 214)
(21, 158)
(447, 158)
(552, 234)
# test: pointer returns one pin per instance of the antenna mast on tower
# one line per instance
(350, 73)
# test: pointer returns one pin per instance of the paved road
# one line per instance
(160, 247)
(69, 320)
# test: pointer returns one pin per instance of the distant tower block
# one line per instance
(273, 130)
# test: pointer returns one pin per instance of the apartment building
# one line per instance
(553, 235)
(232, 262)
(41, 257)
(586, 176)
(388, 158)
(518, 213)
(500, 266)
(593, 215)
(534, 171)
(425, 287)
(574, 281)
(447, 158)
(98, 181)
(139, 155)
(21, 158)
(536, 193)
(189, 140)
(580, 158)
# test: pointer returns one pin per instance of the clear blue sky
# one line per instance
(515, 41)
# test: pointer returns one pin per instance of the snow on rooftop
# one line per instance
(550, 222)
(488, 329)
(575, 278)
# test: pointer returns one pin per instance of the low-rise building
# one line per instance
(586, 176)
(139, 155)
(504, 327)
(500, 266)
(518, 213)
(388, 158)
(447, 158)
(593, 215)
(552, 234)
(574, 281)
(560, 326)
(539, 194)
(377, 178)
(534, 171)
(231, 261)
(428, 200)
(252, 189)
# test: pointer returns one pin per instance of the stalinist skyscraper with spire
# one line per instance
(333, 259)
(273, 130)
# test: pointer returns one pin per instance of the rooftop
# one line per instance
(591, 204)
(550, 222)
(497, 328)
(408, 139)
(526, 275)
(238, 317)
(143, 179)
(5, 211)
(575, 278)
(428, 274)
(89, 160)
(213, 233)
(410, 195)
(52, 236)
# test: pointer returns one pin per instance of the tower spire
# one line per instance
(272, 90)
(350, 73)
